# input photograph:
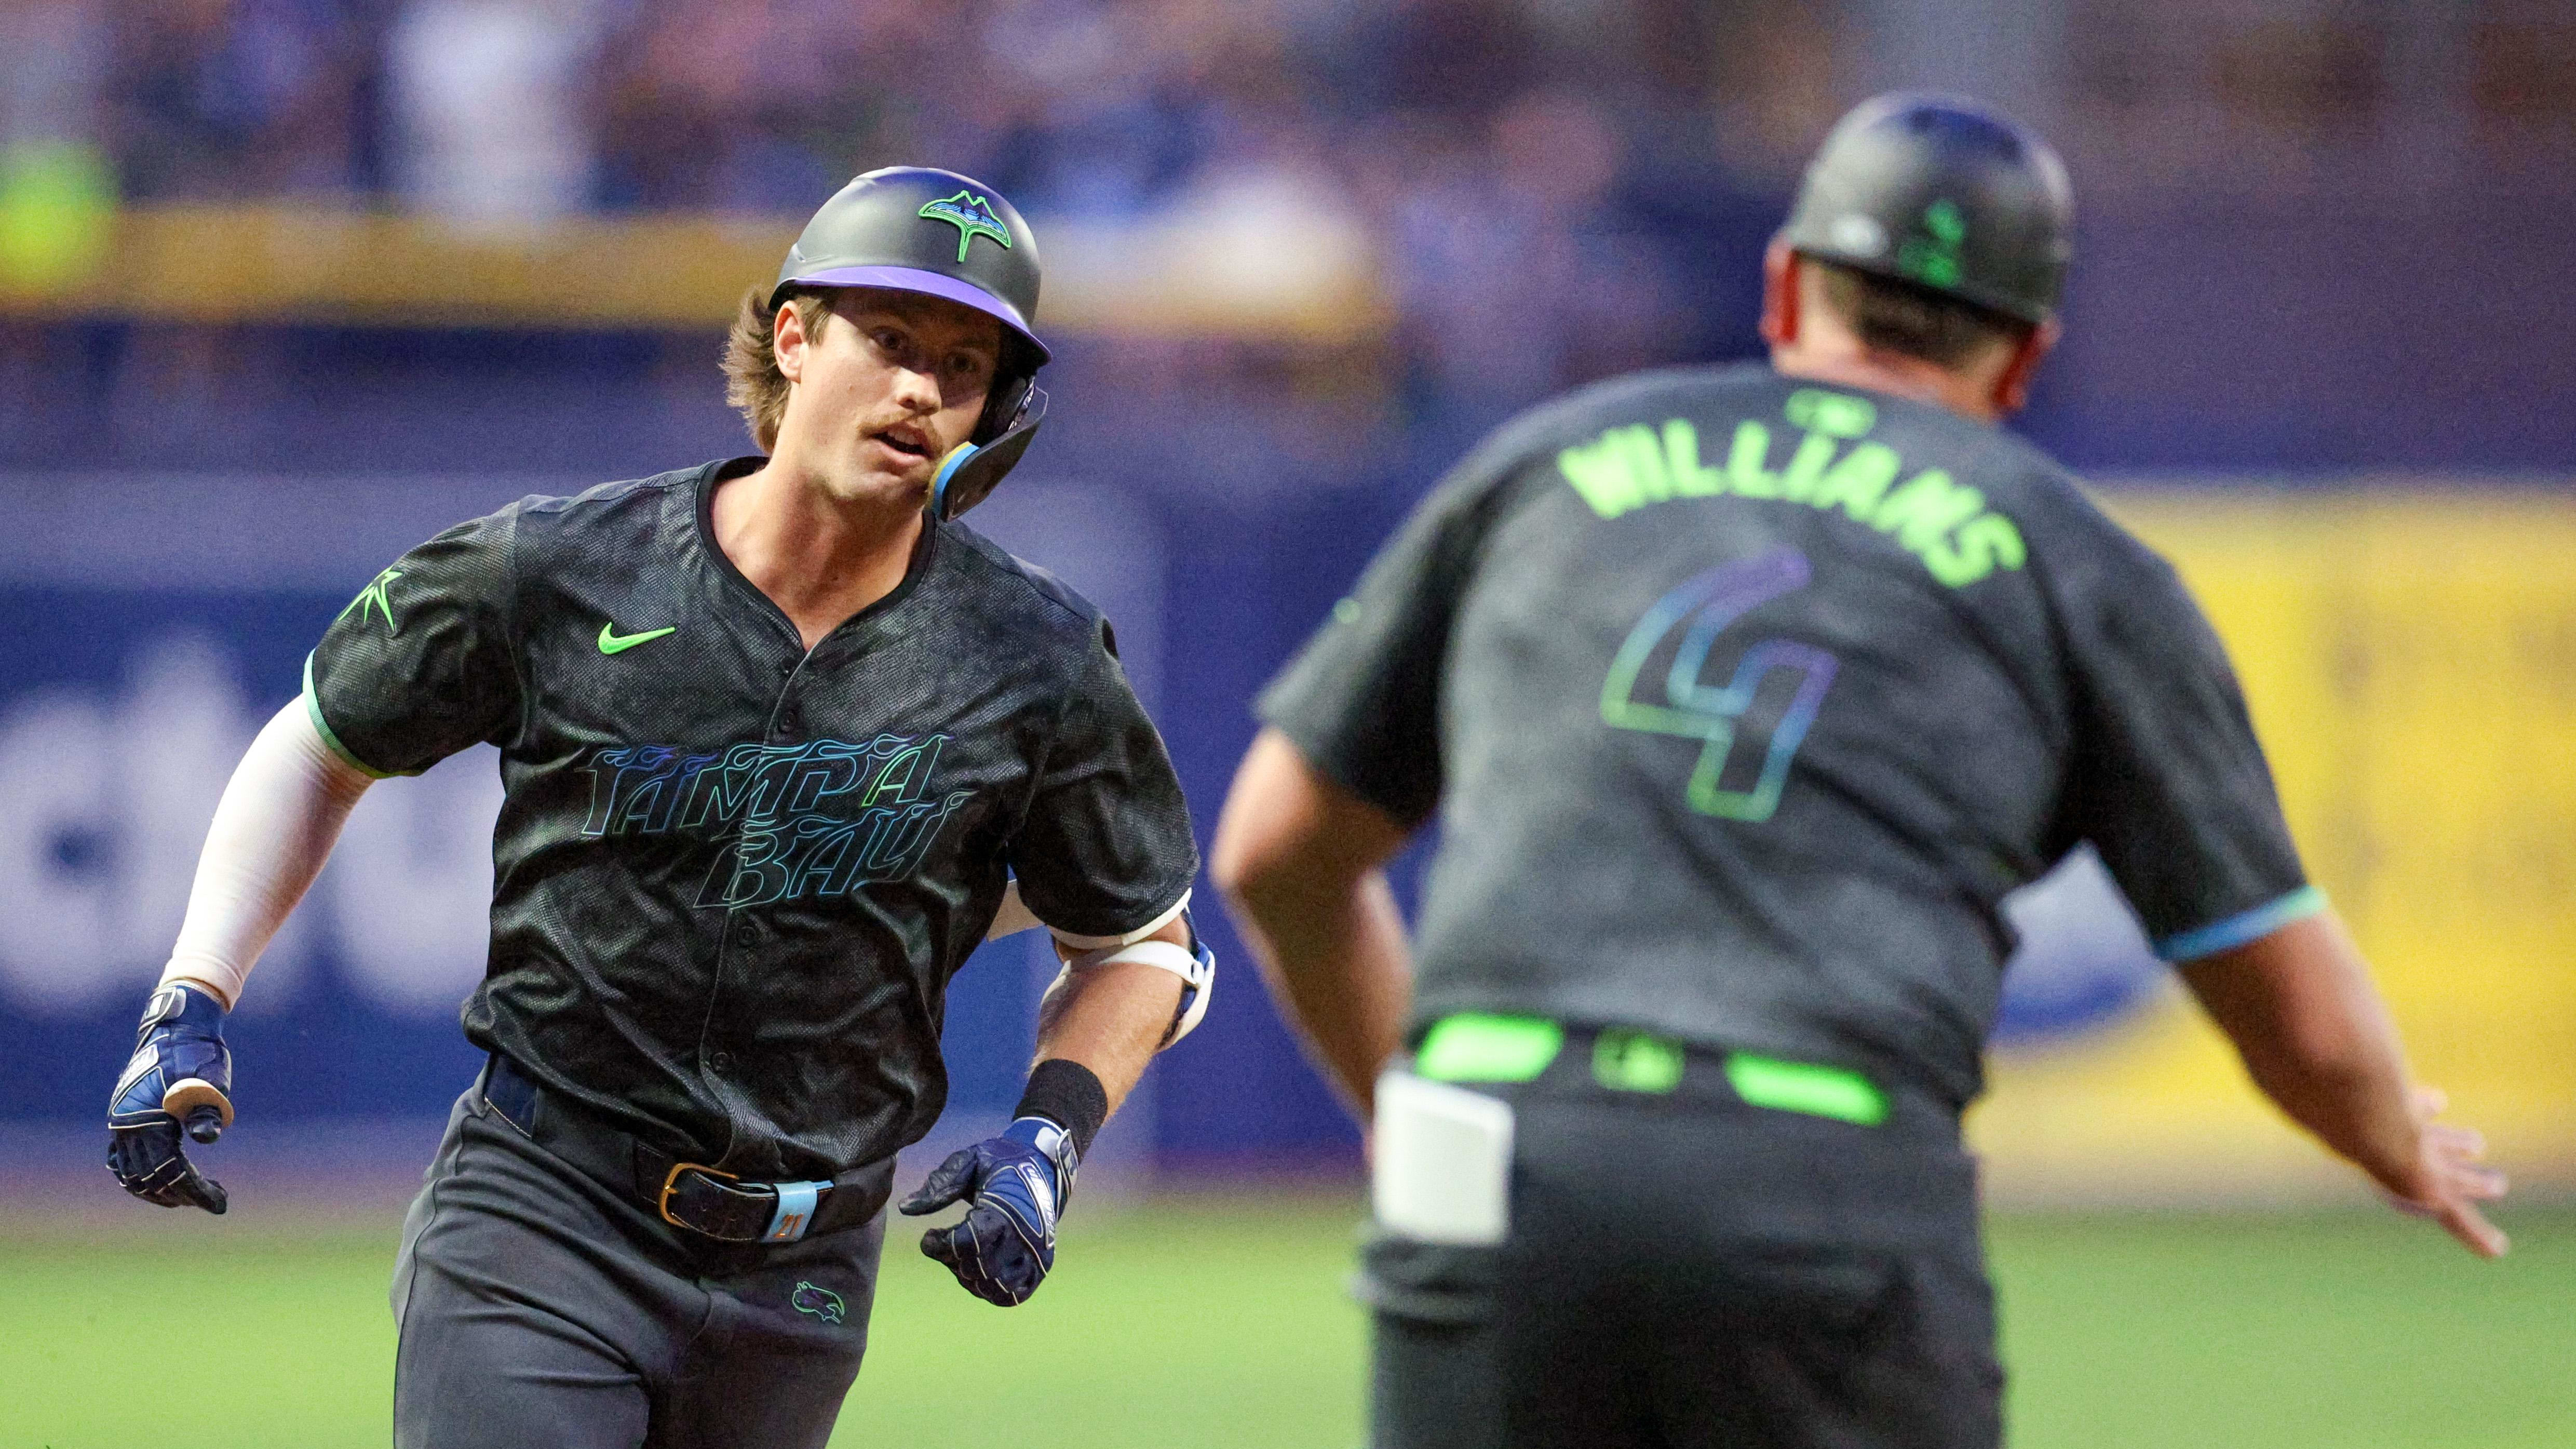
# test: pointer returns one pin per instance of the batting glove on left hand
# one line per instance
(181, 1070)
(1001, 1250)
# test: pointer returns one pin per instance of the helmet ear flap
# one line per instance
(971, 471)
(1003, 405)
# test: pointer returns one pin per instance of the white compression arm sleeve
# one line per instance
(270, 836)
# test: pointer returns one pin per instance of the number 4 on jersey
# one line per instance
(1680, 632)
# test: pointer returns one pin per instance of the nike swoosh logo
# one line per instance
(610, 642)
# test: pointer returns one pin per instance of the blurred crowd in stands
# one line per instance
(1538, 179)
(1553, 189)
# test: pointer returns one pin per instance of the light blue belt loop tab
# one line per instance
(795, 1210)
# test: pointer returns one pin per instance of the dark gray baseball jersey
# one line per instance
(1743, 703)
(732, 878)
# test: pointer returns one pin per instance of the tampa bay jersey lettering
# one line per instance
(795, 821)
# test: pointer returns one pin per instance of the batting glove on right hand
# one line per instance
(181, 1070)
(1001, 1250)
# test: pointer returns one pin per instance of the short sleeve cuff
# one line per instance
(1101, 943)
(1331, 755)
(322, 727)
(2245, 926)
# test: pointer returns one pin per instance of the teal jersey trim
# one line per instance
(2246, 926)
(313, 711)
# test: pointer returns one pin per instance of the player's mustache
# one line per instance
(919, 425)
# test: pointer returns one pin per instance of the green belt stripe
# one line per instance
(1819, 1091)
(1477, 1047)
(1483, 1047)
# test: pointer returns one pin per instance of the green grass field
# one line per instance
(1224, 1323)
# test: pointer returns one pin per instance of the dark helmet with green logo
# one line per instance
(920, 229)
(1945, 194)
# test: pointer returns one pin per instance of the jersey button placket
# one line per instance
(745, 931)
(786, 716)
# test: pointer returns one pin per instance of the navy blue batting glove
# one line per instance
(181, 1079)
(1015, 1187)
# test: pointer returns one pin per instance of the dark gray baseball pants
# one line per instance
(1689, 1275)
(539, 1307)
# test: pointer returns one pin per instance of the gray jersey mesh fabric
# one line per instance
(732, 878)
(1742, 702)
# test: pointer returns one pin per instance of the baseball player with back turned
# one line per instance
(1744, 696)
(782, 741)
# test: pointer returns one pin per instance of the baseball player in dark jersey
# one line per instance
(1743, 697)
(783, 742)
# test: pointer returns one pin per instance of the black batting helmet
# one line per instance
(1945, 194)
(920, 229)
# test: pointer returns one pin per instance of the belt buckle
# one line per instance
(671, 1184)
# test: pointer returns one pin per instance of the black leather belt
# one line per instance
(690, 1195)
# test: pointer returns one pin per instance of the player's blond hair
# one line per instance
(753, 384)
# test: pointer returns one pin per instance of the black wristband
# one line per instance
(1067, 1094)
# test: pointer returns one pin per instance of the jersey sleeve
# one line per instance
(1362, 700)
(2167, 779)
(420, 664)
(1105, 847)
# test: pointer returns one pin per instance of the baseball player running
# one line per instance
(1744, 696)
(782, 742)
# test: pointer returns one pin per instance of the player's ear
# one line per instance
(787, 339)
(2012, 385)
(1779, 294)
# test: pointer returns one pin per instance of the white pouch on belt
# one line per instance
(1442, 1162)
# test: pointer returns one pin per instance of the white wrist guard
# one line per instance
(1196, 966)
